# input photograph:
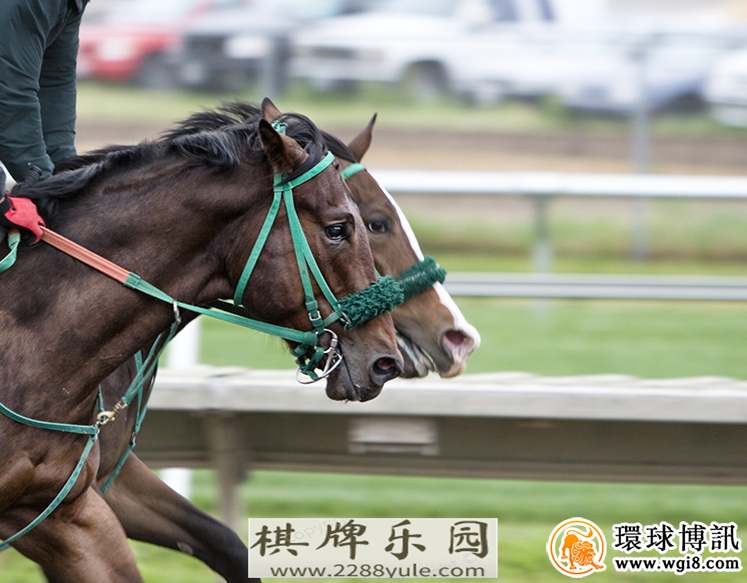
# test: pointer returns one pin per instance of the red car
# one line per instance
(130, 41)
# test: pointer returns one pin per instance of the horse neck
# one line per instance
(65, 327)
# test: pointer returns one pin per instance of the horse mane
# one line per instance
(213, 139)
(242, 112)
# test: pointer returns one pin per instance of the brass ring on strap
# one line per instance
(106, 416)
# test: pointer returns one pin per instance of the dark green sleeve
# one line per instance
(37, 38)
(57, 91)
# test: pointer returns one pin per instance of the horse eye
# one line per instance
(336, 232)
(377, 227)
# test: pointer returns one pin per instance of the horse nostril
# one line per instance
(456, 338)
(387, 368)
(459, 344)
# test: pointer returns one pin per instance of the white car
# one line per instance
(501, 61)
(726, 89)
(243, 40)
(608, 75)
(405, 41)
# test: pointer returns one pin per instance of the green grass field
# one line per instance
(645, 339)
(527, 513)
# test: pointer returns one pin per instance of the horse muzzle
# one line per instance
(349, 382)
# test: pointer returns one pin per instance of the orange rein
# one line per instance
(82, 254)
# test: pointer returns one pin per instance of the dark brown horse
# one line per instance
(148, 509)
(183, 213)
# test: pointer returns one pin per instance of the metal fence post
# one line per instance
(274, 69)
(183, 352)
(641, 153)
(542, 255)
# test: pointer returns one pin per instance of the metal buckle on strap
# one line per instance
(317, 321)
(333, 360)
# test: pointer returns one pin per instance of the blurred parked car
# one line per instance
(726, 89)
(500, 62)
(403, 41)
(229, 48)
(130, 41)
(607, 74)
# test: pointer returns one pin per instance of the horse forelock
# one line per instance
(308, 136)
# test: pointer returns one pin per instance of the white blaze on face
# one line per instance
(460, 322)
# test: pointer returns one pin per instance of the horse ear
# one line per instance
(283, 153)
(269, 111)
(361, 142)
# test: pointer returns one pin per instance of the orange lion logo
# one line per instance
(577, 548)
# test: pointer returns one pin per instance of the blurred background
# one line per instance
(597, 88)
(587, 55)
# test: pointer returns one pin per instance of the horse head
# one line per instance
(431, 330)
(336, 236)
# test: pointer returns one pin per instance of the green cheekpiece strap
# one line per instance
(257, 249)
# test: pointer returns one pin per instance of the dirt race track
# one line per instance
(440, 150)
(432, 149)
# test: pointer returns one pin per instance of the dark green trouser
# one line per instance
(38, 49)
